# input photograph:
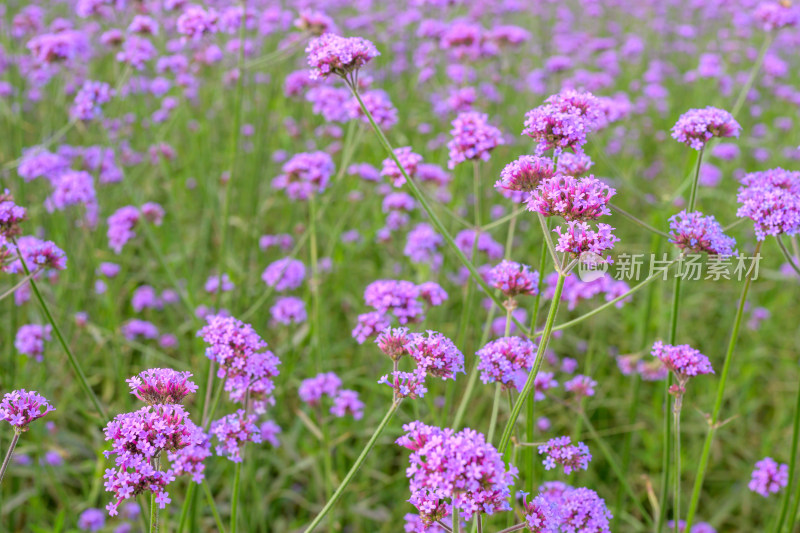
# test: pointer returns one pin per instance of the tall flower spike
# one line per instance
(694, 232)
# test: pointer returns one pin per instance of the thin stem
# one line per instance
(473, 376)
(549, 241)
(185, 508)
(693, 194)
(456, 520)
(22, 282)
(235, 497)
(518, 527)
(782, 246)
(9, 453)
(314, 282)
(495, 408)
(712, 425)
(214, 511)
(479, 522)
(792, 467)
(529, 384)
(638, 221)
(615, 466)
(444, 526)
(72, 360)
(356, 466)
(608, 304)
(676, 513)
(153, 504)
(753, 73)
(217, 397)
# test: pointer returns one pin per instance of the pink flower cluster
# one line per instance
(506, 361)
(571, 198)
(345, 401)
(21, 407)
(561, 451)
(161, 385)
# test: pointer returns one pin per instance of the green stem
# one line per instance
(693, 194)
(314, 282)
(495, 408)
(456, 520)
(792, 467)
(9, 453)
(712, 425)
(212, 505)
(753, 73)
(473, 376)
(235, 497)
(22, 282)
(549, 241)
(356, 466)
(529, 384)
(637, 221)
(185, 508)
(782, 246)
(72, 360)
(153, 504)
(676, 514)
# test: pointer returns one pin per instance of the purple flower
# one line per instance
(74, 187)
(465, 240)
(136, 51)
(409, 161)
(771, 199)
(555, 129)
(436, 354)
(379, 106)
(776, 15)
(20, 407)
(190, 460)
(30, 340)
(769, 477)
(542, 382)
(145, 297)
(507, 361)
(314, 22)
(574, 164)
(683, 361)
(422, 245)
(524, 174)
(579, 238)
(284, 274)
(461, 467)
(216, 283)
(233, 432)
(37, 254)
(333, 54)
(571, 198)
(697, 527)
(398, 297)
(312, 390)
(432, 293)
(697, 126)
(369, 325)
(579, 510)
(137, 440)
(135, 328)
(92, 520)
(406, 384)
(473, 138)
(289, 310)
(560, 451)
(89, 100)
(120, 227)
(161, 385)
(269, 433)
(10, 216)
(196, 21)
(305, 174)
(346, 401)
(697, 233)
(514, 278)
(581, 386)
(540, 514)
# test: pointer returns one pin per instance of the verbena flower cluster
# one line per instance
(771, 199)
(460, 469)
(698, 126)
(561, 451)
(506, 361)
(695, 232)
(328, 384)
(514, 279)
(571, 198)
(769, 477)
(473, 138)
(21, 407)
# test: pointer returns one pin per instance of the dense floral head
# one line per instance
(312, 390)
(10, 216)
(232, 432)
(406, 384)
(524, 174)
(578, 510)
(580, 386)
(288, 310)
(20, 407)
(682, 360)
(574, 164)
(771, 199)
(694, 232)
(89, 100)
(572, 198)
(161, 385)
(460, 467)
(399, 297)
(30, 340)
(284, 274)
(38, 254)
(541, 515)
(579, 237)
(561, 451)
(555, 130)
(506, 361)
(769, 477)
(137, 440)
(333, 54)
(305, 174)
(436, 354)
(697, 126)
(514, 278)
(394, 342)
(473, 138)
(190, 460)
(776, 15)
